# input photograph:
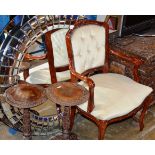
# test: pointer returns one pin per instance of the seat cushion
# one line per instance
(41, 75)
(115, 95)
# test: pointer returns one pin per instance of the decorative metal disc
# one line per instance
(67, 93)
(25, 95)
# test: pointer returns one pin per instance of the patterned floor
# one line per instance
(125, 130)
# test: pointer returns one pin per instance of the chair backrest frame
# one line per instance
(50, 56)
(78, 24)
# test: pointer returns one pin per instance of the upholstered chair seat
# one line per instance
(57, 58)
(112, 97)
(41, 75)
(115, 95)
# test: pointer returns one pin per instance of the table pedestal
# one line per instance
(26, 124)
(26, 96)
(66, 134)
(69, 95)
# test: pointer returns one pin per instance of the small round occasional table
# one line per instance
(67, 94)
(26, 96)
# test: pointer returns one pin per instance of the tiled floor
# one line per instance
(125, 130)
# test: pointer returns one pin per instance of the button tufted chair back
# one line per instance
(89, 46)
(57, 55)
(56, 69)
(112, 97)
(59, 48)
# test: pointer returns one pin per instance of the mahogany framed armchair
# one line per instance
(55, 69)
(112, 97)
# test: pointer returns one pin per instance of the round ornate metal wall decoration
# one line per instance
(12, 51)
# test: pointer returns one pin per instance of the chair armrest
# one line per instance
(26, 73)
(87, 80)
(31, 57)
(24, 67)
(91, 86)
(131, 59)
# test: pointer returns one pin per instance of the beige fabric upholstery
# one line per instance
(84, 57)
(116, 95)
(41, 73)
(59, 47)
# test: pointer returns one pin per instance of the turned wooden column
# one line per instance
(26, 96)
(66, 122)
(69, 95)
(26, 124)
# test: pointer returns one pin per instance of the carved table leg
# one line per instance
(66, 134)
(66, 122)
(26, 124)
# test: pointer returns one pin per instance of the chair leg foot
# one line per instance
(102, 127)
(141, 119)
(145, 107)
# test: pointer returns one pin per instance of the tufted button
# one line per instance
(92, 35)
(79, 54)
(82, 37)
(88, 51)
(98, 47)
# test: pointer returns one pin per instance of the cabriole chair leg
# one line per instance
(101, 129)
(145, 107)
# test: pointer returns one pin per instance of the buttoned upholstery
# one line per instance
(41, 74)
(88, 44)
(112, 97)
(115, 95)
(59, 48)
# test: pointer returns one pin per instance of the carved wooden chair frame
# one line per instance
(50, 58)
(102, 124)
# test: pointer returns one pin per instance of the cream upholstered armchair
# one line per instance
(57, 60)
(112, 97)
(56, 69)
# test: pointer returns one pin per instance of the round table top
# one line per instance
(67, 93)
(25, 95)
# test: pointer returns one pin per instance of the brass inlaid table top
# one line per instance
(25, 95)
(67, 93)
